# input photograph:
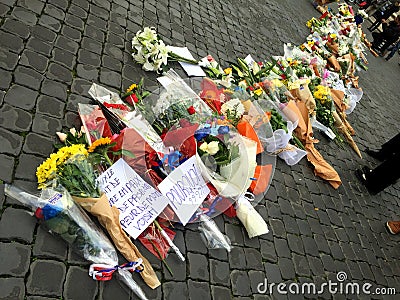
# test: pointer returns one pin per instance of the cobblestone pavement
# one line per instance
(50, 53)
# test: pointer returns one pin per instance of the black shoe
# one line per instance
(362, 175)
(375, 154)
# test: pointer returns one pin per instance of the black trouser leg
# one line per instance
(385, 174)
(391, 146)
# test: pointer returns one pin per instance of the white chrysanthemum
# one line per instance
(234, 106)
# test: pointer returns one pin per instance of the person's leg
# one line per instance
(383, 175)
(391, 146)
(393, 50)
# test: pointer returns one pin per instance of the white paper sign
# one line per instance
(190, 69)
(138, 202)
(185, 189)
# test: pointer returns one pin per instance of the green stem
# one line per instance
(108, 160)
(162, 260)
(177, 57)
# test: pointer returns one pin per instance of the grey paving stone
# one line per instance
(67, 44)
(5, 79)
(22, 230)
(12, 288)
(82, 3)
(92, 45)
(43, 33)
(286, 267)
(10, 142)
(282, 248)
(11, 42)
(219, 272)
(16, 27)
(295, 244)
(27, 16)
(34, 60)
(87, 72)
(49, 246)
(322, 243)
(40, 284)
(178, 268)
(268, 251)
(50, 22)
(328, 262)
(218, 292)
(301, 265)
(75, 22)
(194, 243)
(50, 106)
(237, 259)
(4, 9)
(59, 73)
(55, 89)
(253, 259)
(28, 77)
(278, 228)
(94, 33)
(71, 33)
(14, 118)
(310, 246)
(15, 259)
(112, 64)
(39, 46)
(290, 224)
(43, 124)
(77, 11)
(78, 285)
(74, 100)
(240, 283)
(175, 290)
(38, 144)
(256, 278)
(198, 290)
(6, 172)
(96, 22)
(21, 97)
(26, 167)
(198, 266)
(110, 78)
(88, 58)
(273, 274)
(34, 5)
(55, 12)
(234, 233)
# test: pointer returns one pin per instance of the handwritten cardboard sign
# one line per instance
(138, 202)
(185, 189)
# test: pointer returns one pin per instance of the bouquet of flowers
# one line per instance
(72, 166)
(151, 52)
(62, 217)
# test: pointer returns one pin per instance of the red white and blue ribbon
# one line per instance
(104, 272)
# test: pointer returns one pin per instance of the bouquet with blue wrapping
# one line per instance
(62, 217)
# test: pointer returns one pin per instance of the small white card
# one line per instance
(190, 69)
(138, 202)
(185, 189)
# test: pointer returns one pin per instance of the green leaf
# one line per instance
(128, 153)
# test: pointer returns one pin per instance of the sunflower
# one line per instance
(98, 143)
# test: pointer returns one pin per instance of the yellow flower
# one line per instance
(258, 92)
(334, 35)
(48, 168)
(98, 143)
(211, 147)
(228, 71)
(310, 43)
(131, 87)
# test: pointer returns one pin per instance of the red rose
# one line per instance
(132, 98)
(191, 110)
